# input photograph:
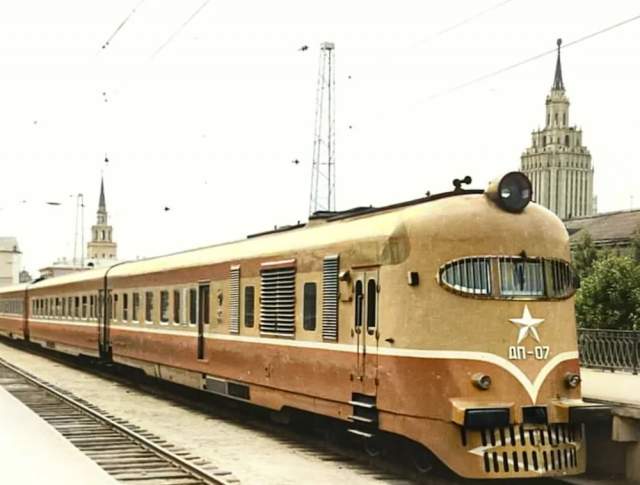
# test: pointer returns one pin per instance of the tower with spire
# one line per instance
(101, 249)
(557, 163)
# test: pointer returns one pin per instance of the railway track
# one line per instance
(125, 451)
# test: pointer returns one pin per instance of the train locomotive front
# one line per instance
(482, 364)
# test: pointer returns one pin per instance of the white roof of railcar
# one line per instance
(13, 288)
(320, 234)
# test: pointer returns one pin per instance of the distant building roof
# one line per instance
(9, 244)
(606, 228)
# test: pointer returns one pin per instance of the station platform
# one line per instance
(32, 452)
(614, 387)
(615, 444)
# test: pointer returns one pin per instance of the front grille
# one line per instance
(527, 449)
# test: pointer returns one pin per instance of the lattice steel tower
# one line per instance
(323, 174)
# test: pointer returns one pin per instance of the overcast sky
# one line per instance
(209, 125)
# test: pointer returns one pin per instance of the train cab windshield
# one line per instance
(508, 277)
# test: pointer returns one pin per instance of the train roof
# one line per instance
(323, 228)
(13, 288)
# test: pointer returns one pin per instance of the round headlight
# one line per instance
(514, 192)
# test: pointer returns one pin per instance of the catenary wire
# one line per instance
(529, 59)
(179, 29)
(122, 24)
(461, 22)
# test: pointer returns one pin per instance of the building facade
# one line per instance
(557, 163)
(613, 231)
(10, 261)
(102, 249)
(60, 267)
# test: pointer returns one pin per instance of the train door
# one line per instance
(365, 327)
(104, 321)
(203, 316)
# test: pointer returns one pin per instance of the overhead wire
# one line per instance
(179, 29)
(122, 24)
(462, 22)
(530, 59)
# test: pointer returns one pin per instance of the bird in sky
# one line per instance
(303, 48)
(295, 162)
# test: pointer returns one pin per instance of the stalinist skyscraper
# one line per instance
(557, 163)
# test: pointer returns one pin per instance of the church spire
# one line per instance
(102, 205)
(101, 249)
(557, 80)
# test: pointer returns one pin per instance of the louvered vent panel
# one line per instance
(234, 300)
(330, 297)
(277, 301)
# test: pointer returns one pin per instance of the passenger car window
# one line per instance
(249, 306)
(372, 293)
(309, 307)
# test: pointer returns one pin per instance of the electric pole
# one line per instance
(323, 174)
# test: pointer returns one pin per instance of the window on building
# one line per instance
(249, 306)
(76, 307)
(148, 306)
(135, 307)
(164, 306)
(125, 307)
(566, 140)
(70, 307)
(193, 306)
(564, 119)
(309, 306)
(548, 119)
(176, 306)
(64, 307)
(555, 119)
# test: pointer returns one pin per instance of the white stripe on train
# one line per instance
(532, 387)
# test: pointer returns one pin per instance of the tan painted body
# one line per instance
(418, 359)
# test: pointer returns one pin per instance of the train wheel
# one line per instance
(422, 459)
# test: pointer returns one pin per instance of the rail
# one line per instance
(610, 349)
(125, 452)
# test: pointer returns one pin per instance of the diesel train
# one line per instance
(448, 320)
